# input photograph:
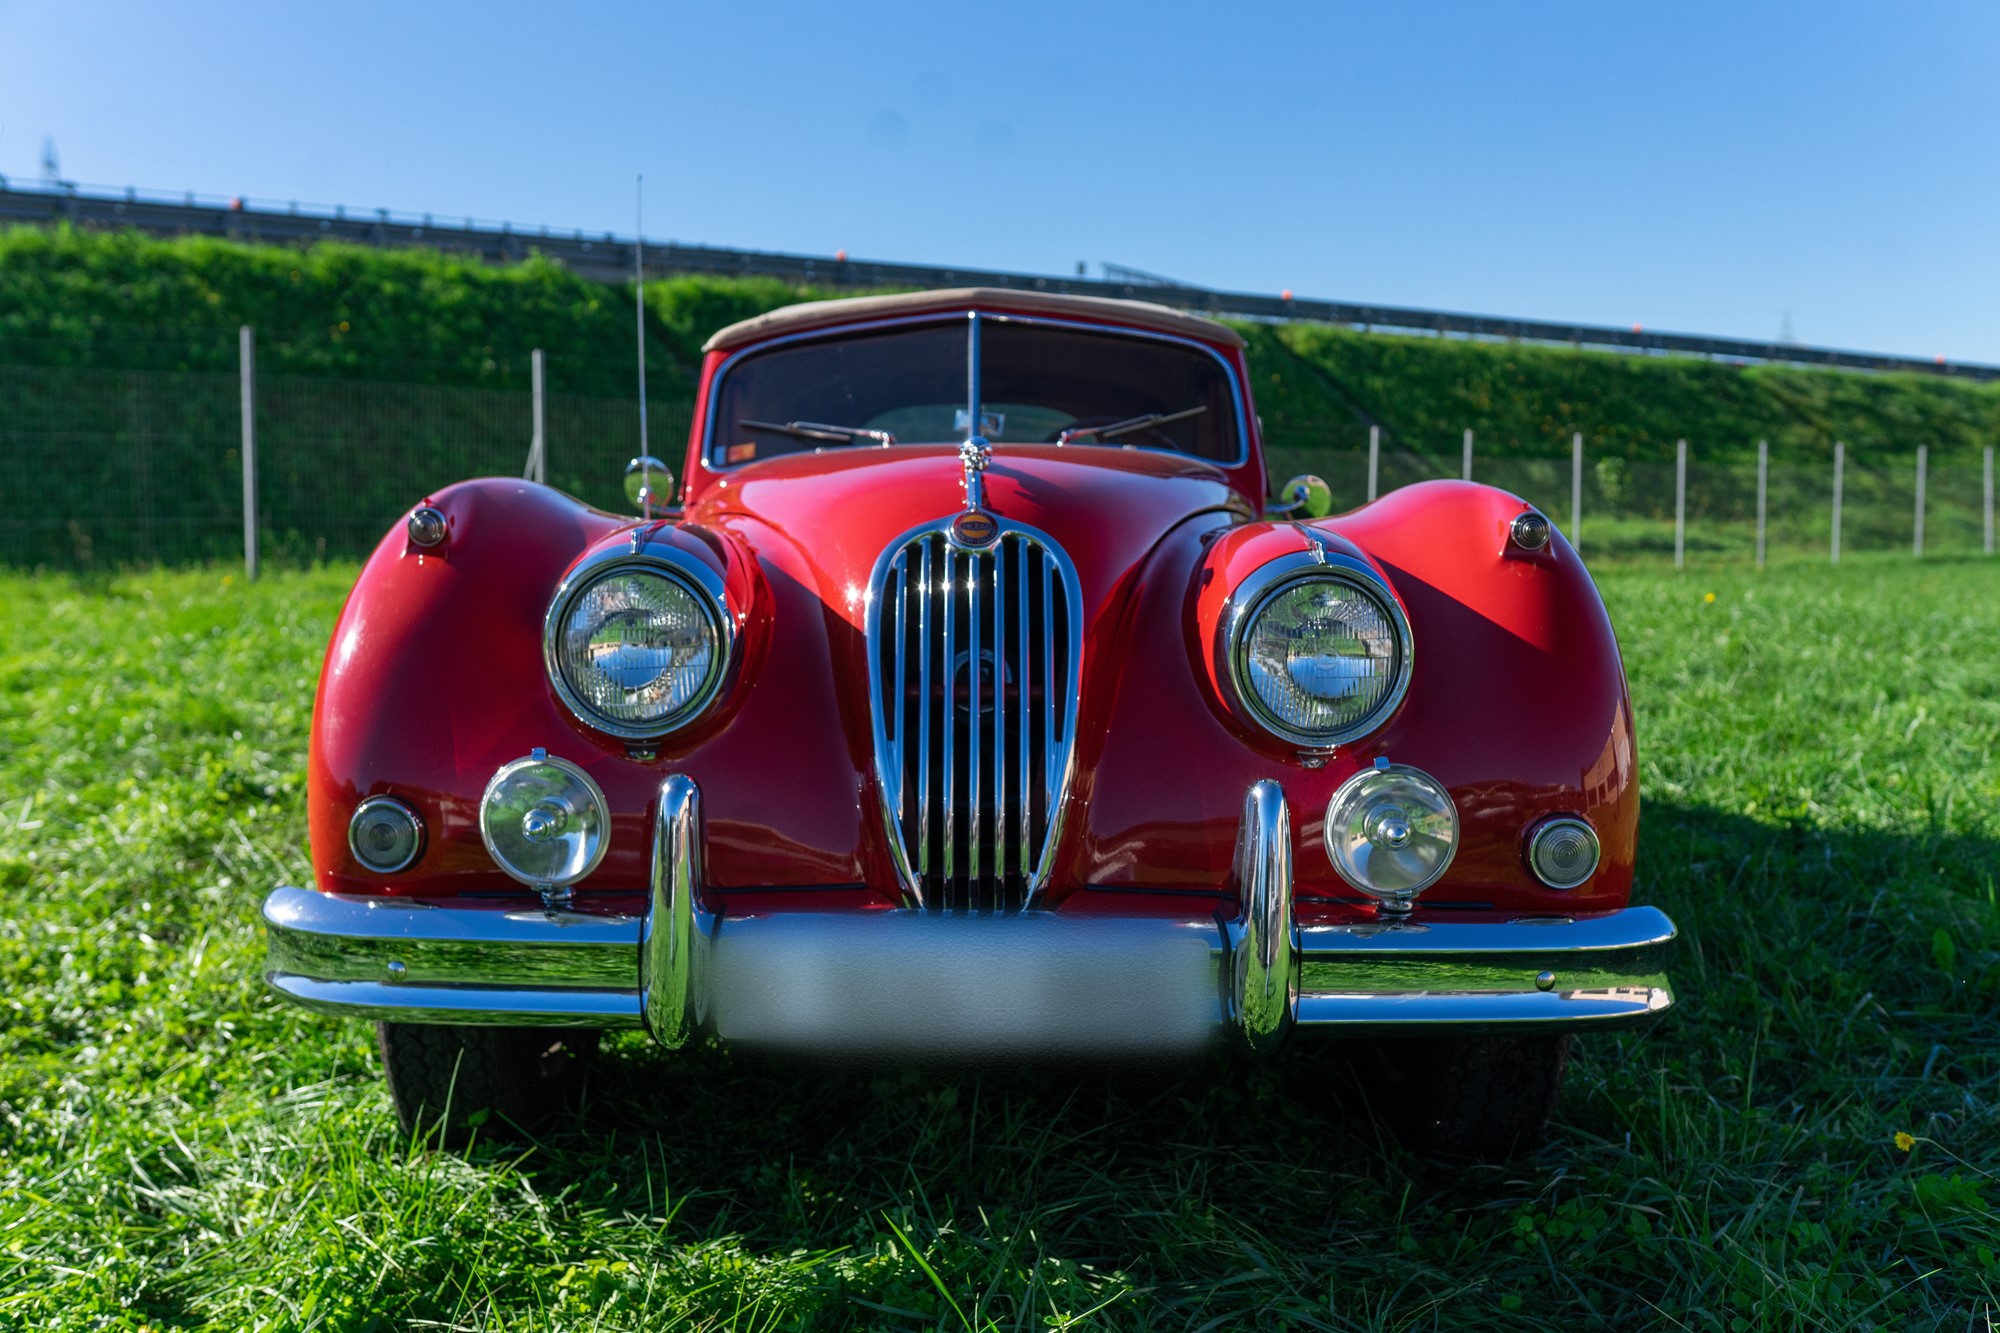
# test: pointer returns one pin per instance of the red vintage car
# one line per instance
(967, 698)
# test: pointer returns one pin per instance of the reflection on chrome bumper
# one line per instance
(907, 980)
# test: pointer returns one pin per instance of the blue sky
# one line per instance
(1695, 166)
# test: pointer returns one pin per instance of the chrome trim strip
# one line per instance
(674, 940)
(948, 668)
(900, 741)
(469, 1006)
(709, 593)
(923, 735)
(1353, 1015)
(1025, 698)
(1266, 582)
(706, 454)
(1263, 948)
(974, 572)
(999, 711)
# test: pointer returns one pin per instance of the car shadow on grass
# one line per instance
(1828, 980)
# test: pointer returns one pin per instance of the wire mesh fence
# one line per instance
(1628, 507)
(102, 468)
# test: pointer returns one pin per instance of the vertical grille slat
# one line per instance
(1025, 866)
(922, 592)
(974, 659)
(948, 673)
(1000, 714)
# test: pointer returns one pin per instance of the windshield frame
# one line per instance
(972, 316)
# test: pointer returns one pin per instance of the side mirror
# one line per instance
(649, 483)
(1304, 496)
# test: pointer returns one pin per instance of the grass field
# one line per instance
(1818, 750)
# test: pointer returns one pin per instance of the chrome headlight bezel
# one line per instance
(1257, 591)
(695, 578)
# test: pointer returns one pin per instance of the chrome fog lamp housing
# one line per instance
(385, 835)
(636, 645)
(1315, 649)
(1563, 851)
(545, 823)
(1391, 831)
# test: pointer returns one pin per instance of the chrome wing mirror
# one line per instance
(649, 484)
(1304, 496)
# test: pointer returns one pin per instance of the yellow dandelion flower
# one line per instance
(1905, 1141)
(1708, 597)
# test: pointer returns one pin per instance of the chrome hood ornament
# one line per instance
(974, 456)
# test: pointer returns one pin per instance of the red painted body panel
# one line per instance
(435, 678)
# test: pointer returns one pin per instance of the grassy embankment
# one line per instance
(1818, 761)
(385, 373)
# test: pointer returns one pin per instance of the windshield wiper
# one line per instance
(818, 430)
(1128, 425)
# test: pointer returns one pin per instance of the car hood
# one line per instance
(826, 518)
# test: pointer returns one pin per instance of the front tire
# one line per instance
(454, 1081)
(1479, 1098)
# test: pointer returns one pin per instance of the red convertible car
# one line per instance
(967, 698)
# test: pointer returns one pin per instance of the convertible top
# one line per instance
(856, 309)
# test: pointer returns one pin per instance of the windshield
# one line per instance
(1040, 384)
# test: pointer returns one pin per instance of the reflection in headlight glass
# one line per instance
(637, 648)
(1322, 655)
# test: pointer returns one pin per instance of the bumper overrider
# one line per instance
(911, 980)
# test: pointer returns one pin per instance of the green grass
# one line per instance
(1818, 756)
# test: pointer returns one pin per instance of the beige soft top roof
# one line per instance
(855, 309)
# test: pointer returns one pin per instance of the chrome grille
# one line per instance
(973, 660)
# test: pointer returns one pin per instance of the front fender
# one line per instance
(1517, 703)
(435, 678)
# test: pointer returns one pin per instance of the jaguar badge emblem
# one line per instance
(975, 528)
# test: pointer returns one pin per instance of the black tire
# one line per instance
(1475, 1098)
(453, 1082)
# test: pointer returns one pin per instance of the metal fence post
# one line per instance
(1576, 490)
(538, 444)
(1375, 458)
(1923, 467)
(1763, 493)
(1468, 453)
(1680, 503)
(246, 340)
(1989, 499)
(1839, 467)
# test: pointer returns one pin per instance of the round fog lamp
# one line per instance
(544, 822)
(1391, 832)
(1563, 851)
(385, 835)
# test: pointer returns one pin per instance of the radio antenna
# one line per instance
(639, 268)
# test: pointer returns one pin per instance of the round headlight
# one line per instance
(385, 835)
(544, 821)
(637, 648)
(1321, 655)
(1391, 831)
(1563, 851)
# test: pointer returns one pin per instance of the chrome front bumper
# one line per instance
(915, 981)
